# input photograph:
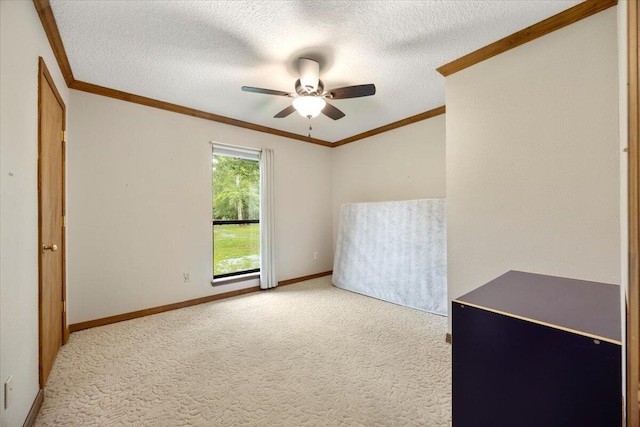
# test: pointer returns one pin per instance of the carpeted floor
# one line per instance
(307, 354)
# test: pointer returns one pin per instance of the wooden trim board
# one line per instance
(161, 309)
(175, 108)
(35, 408)
(538, 322)
(51, 30)
(65, 326)
(303, 278)
(560, 20)
(633, 150)
(395, 125)
(155, 310)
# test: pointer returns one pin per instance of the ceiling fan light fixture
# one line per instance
(309, 96)
(309, 106)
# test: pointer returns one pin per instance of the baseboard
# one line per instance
(448, 338)
(35, 408)
(303, 278)
(155, 310)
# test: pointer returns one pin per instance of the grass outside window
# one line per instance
(236, 248)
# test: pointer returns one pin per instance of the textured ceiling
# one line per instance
(199, 53)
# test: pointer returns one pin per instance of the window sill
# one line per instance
(234, 279)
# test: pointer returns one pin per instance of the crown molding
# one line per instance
(395, 125)
(560, 20)
(51, 30)
(175, 108)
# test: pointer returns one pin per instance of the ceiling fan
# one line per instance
(310, 98)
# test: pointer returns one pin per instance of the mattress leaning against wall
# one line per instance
(394, 251)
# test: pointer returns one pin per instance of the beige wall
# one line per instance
(404, 164)
(139, 199)
(139, 206)
(533, 160)
(22, 40)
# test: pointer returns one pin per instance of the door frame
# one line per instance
(44, 77)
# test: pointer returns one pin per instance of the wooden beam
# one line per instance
(395, 125)
(540, 29)
(51, 30)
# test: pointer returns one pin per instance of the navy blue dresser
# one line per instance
(531, 350)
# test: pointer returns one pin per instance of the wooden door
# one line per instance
(51, 125)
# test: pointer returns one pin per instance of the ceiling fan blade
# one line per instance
(265, 91)
(332, 112)
(352, 91)
(285, 112)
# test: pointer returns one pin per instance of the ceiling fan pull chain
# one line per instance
(310, 128)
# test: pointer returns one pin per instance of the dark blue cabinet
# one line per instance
(535, 350)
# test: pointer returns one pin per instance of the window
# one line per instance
(236, 211)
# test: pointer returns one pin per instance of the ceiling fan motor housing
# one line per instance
(309, 74)
(300, 90)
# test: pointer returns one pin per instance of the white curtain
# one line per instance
(267, 222)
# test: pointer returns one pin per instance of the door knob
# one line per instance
(51, 248)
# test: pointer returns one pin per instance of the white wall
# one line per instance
(403, 164)
(22, 40)
(139, 206)
(533, 160)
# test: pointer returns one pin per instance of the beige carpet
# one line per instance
(307, 354)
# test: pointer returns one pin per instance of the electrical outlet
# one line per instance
(315, 255)
(8, 392)
(187, 277)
